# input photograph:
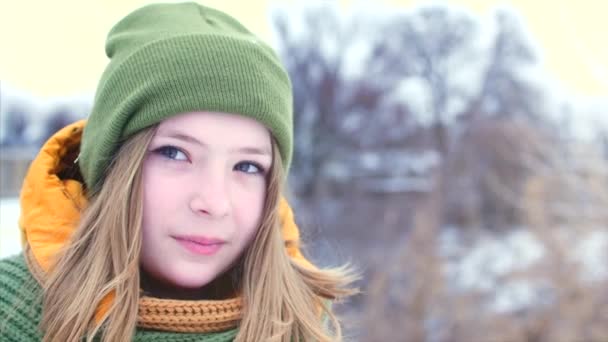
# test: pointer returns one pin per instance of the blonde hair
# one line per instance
(283, 301)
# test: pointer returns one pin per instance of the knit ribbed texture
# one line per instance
(167, 59)
(21, 311)
(189, 316)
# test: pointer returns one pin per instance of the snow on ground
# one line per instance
(485, 263)
(10, 240)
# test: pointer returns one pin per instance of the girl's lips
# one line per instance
(200, 245)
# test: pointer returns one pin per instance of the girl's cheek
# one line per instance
(160, 180)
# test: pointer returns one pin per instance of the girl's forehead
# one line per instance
(210, 125)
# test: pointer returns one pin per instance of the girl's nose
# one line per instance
(211, 195)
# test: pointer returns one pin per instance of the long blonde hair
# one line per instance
(283, 301)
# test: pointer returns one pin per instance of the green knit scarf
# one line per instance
(21, 310)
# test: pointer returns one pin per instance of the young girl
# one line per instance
(161, 216)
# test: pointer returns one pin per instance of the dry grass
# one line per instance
(558, 191)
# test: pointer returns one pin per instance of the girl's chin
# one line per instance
(189, 284)
(187, 281)
(175, 285)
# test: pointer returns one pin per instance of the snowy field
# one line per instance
(9, 230)
(485, 264)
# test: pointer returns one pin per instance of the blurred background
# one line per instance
(455, 152)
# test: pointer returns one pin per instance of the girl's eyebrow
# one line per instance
(191, 139)
(251, 150)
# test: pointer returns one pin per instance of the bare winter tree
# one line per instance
(388, 102)
(14, 121)
(27, 120)
(315, 81)
(376, 80)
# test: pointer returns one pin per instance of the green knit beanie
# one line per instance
(167, 59)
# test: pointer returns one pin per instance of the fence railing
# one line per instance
(14, 163)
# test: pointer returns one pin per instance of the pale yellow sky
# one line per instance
(55, 47)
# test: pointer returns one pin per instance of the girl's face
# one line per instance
(204, 181)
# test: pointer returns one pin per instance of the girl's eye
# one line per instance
(171, 152)
(249, 167)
